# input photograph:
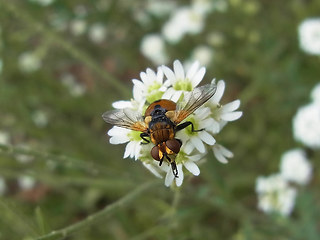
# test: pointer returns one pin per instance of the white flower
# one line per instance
(97, 33)
(4, 138)
(160, 8)
(309, 36)
(275, 195)
(153, 47)
(43, 2)
(295, 167)
(182, 160)
(306, 125)
(180, 81)
(177, 87)
(121, 135)
(75, 88)
(222, 113)
(3, 186)
(221, 153)
(78, 27)
(151, 88)
(197, 140)
(315, 94)
(185, 20)
(40, 118)
(203, 54)
(26, 182)
(29, 62)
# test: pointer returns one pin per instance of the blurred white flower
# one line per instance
(295, 167)
(29, 62)
(26, 182)
(40, 118)
(315, 94)
(309, 36)
(97, 33)
(3, 186)
(75, 88)
(275, 195)
(153, 47)
(216, 39)
(4, 138)
(78, 27)
(160, 8)
(184, 20)
(202, 6)
(203, 54)
(306, 125)
(43, 2)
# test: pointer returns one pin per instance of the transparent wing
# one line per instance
(126, 118)
(193, 100)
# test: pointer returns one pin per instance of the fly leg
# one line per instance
(143, 135)
(186, 124)
(174, 167)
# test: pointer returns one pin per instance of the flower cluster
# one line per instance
(180, 21)
(275, 192)
(170, 84)
(309, 36)
(306, 122)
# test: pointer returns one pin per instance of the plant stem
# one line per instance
(54, 38)
(62, 233)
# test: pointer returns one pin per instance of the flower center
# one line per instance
(154, 93)
(184, 85)
(134, 136)
(181, 157)
(188, 130)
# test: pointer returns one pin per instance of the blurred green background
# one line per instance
(57, 164)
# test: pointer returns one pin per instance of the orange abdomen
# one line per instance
(161, 132)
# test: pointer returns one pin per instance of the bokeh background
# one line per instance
(63, 63)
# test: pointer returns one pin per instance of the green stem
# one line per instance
(62, 233)
(54, 38)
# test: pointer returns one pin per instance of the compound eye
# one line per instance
(174, 145)
(155, 153)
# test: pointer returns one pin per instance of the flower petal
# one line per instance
(207, 138)
(169, 74)
(128, 150)
(192, 167)
(119, 139)
(178, 69)
(153, 169)
(198, 144)
(179, 180)
(231, 116)
(219, 93)
(198, 77)
(188, 147)
(169, 178)
(193, 69)
(231, 106)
